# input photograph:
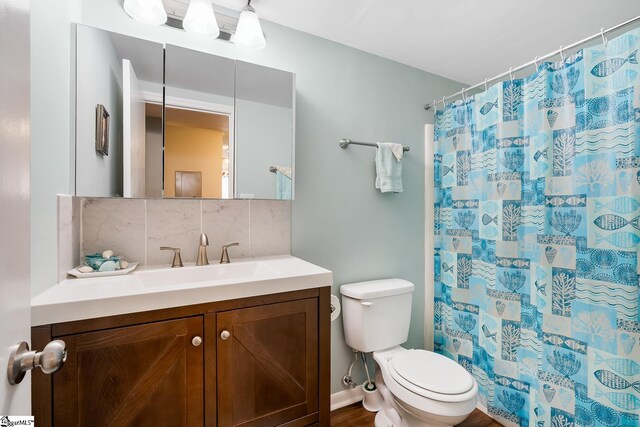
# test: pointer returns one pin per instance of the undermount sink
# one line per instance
(223, 273)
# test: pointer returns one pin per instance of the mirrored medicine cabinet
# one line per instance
(156, 121)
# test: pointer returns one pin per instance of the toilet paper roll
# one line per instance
(335, 307)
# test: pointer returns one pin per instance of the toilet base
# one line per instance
(408, 419)
(381, 420)
(417, 418)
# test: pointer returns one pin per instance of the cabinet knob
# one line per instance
(225, 335)
(196, 341)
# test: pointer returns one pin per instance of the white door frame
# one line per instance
(207, 107)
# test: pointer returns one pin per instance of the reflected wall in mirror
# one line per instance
(199, 124)
(123, 74)
(265, 112)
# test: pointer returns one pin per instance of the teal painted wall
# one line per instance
(339, 220)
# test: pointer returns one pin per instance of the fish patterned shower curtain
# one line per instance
(537, 234)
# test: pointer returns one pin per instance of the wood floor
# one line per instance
(356, 416)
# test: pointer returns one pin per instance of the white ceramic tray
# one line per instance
(75, 272)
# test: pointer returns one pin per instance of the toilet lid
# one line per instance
(431, 371)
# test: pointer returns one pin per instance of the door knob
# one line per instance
(196, 341)
(225, 335)
(21, 360)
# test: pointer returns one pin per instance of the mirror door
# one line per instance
(265, 114)
(115, 76)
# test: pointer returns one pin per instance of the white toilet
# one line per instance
(418, 387)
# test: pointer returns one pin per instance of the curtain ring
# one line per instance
(511, 73)
(463, 97)
(561, 53)
(604, 37)
(444, 105)
(435, 106)
(535, 61)
(485, 84)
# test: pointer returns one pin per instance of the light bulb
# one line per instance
(248, 34)
(146, 11)
(200, 19)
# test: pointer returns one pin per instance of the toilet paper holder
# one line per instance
(335, 307)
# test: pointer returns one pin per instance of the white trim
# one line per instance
(152, 97)
(485, 411)
(482, 408)
(346, 397)
(293, 139)
(193, 104)
(209, 107)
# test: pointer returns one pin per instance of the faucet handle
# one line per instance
(224, 258)
(204, 239)
(177, 259)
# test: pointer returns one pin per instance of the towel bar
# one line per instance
(344, 143)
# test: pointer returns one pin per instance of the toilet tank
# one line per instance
(376, 314)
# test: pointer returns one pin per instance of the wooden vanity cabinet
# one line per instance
(146, 375)
(268, 364)
(263, 361)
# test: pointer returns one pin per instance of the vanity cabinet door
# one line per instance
(267, 360)
(144, 375)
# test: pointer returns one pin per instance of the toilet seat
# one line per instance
(432, 372)
(431, 375)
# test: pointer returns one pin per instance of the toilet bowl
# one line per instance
(418, 387)
(422, 388)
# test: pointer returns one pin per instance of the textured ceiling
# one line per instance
(465, 40)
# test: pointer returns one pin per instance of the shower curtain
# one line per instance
(537, 228)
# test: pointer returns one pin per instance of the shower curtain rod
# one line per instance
(560, 51)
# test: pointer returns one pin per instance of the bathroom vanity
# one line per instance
(222, 345)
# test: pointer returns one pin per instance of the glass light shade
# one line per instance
(249, 32)
(200, 19)
(146, 11)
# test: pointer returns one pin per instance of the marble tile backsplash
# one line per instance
(137, 228)
(230, 221)
(175, 224)
(273, 238)
(68, 234)
(116, 224)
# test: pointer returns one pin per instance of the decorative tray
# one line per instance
(75, 272)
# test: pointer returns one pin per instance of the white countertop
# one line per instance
(152, 288)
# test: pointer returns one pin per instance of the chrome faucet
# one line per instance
(202, 250)
(224, 258)
(177, 259)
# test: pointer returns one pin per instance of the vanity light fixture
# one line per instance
(200, 19)
(146, 11)
(249, 34)
(243, 29)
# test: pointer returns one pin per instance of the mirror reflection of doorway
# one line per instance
(188, 184)
(194, 140)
